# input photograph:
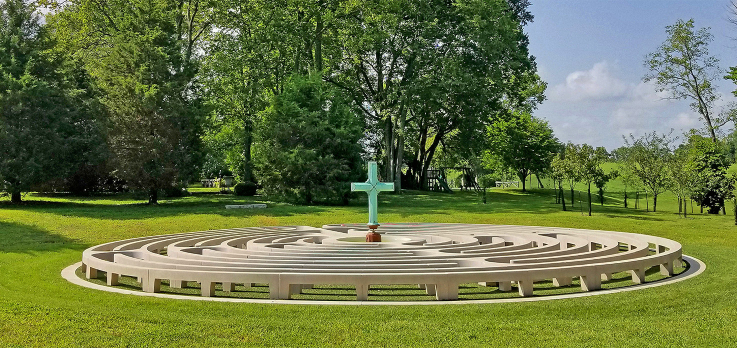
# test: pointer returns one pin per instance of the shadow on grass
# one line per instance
(19, 238)
(407, 204)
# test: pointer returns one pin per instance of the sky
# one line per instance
(591, 54)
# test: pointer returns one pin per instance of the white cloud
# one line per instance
(686, 120)
(597, 83)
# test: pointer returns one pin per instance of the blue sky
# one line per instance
(591, 55)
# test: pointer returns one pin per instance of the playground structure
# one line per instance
(437, 179)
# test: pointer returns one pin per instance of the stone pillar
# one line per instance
(638, 276)
(228, 286)
(274, 291)
(422, 286)
(505, 286)
(112, 279)
(362, 292)
(430, 289)
(606, 276)
(207, 289)
(591, 282)
(446, 291)
(666, 269)
(91, 273)
(177, 284)
(562, 281)
(525, 287)
(151, 285)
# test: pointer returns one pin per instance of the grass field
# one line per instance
(48, 233)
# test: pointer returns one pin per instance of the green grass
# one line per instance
(46, 234)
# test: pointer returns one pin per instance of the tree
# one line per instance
(309, 144)
(586, 163)
(558, 173)
(428, 75)
(646, 160)
(144, 56)
(683, 175)
(258, 44)
(47, 109)
(711, 185)
(601, 180)
(524, 143)
(569, 167)
(683, 67)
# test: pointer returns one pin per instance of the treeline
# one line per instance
(292, 95)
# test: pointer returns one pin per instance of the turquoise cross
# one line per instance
(372, 187)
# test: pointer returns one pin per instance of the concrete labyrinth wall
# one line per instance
(437, 257)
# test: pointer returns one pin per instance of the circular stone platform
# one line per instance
(437, 258)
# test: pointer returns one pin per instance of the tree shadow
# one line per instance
(407, 204)
(20, 238)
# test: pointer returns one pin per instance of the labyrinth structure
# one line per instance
(436, 257)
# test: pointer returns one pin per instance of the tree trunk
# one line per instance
(15, 197)
(540, 183)
(655, 202)
(522, 177)
(389, 139)
(153, 196)
(685, 208)
(589, 192)
(247, 163)
(625, 198)
(421, 175)
(562, 196)
(680, 206)
(400, 150)
(318, 39)
(573, 198)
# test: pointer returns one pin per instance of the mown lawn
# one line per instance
(41, 237)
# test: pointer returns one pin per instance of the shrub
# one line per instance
(309, 145)
(245, 189)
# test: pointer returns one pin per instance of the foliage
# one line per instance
(48, 110)
(646, 160)
(683, 68)
(309, 150)
(712, 186)
(524, 144)
(558, 173)
(143, 55)
(245, 189)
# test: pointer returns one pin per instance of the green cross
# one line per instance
(372, 187)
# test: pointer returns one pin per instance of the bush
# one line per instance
(309, 145)
(245, 189)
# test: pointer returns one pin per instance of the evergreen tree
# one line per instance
(47, 108)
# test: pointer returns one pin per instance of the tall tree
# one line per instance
(144, 56)
(647, 160)
(558, 174)
(47, 110)
(525, 144)
(430, 73)
(712, 185)
(682, 171)
(587, 162)
(683, 67)
(310, 147)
